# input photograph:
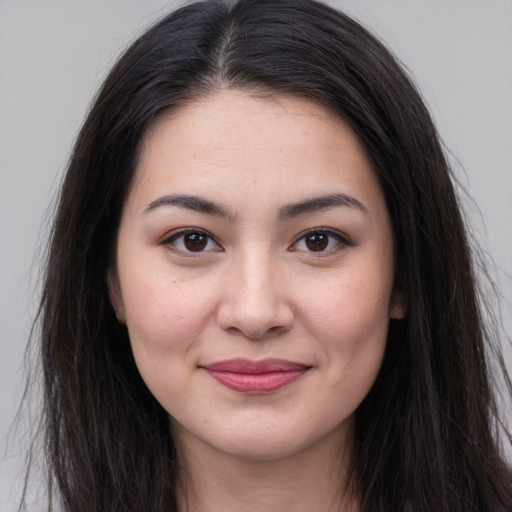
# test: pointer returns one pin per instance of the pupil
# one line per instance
(195, 242)
(317, 242)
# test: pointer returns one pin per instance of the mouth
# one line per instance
(252, 377)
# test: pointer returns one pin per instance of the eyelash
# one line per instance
(170, 241)
(341, 240)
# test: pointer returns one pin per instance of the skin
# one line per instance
(257, 290)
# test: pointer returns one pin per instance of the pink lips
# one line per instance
(248, 376)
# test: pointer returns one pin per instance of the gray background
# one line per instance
(54, 53)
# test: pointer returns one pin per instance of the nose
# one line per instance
(255, 302)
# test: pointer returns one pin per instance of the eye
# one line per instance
(192, 241)
(319, 240)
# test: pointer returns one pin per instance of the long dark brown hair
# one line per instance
(427, 435)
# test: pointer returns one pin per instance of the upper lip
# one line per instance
(247, 366)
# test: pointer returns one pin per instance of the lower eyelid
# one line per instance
(342, 241)
(170, 240)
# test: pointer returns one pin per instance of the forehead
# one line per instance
(231, 141)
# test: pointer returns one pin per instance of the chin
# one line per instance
(267, 442)
(260, 449)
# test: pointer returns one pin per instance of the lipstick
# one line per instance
(246, 376)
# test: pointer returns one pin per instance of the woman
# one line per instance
(259, 293)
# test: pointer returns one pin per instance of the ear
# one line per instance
(398, 304)
(114, 294)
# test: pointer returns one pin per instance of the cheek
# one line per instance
(352, 333)
(350, 319)
(165, 314)
(351, 309)
(166, 318)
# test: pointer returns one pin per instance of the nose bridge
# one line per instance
(255, 304)
(257, 279)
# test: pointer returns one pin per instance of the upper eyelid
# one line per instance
(174, 234)
(344, 239)
(328, 231)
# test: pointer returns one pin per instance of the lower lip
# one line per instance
(256, 382)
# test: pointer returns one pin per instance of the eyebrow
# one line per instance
(202, 205)
(320, 203)
(195, 203)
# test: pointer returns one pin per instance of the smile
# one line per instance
(246, 376)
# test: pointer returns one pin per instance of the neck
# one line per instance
(313, 479)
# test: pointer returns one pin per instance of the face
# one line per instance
(254, 273)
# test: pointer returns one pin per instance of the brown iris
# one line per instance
(195, 241)
(317, 241)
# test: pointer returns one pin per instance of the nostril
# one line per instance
(264, 334)
(255, 315)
